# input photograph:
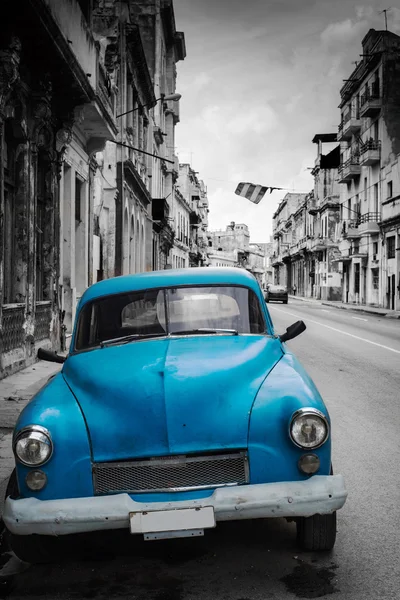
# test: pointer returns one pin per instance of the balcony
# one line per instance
(321, 243)
(357, 252)
(298, 247)
(370, 153)
(350, 229)
(276, 260)
(159, 213)
(368, 223)
(172, 108)
(371, 101)
(349, 126)
(312, 207)
(331, 201)
(350, 169)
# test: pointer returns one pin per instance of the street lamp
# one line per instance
(163, 98)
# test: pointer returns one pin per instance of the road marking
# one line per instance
(356, 337)
(359, 318)
(325, 310)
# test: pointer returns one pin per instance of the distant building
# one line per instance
(285, 236)
(191, 219)
(232, 248)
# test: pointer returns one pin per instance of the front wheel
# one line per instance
(317, 533)
(28, 548)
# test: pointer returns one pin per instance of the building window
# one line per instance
(78, 200)
(375, 248)
(9, 215)
(389, 189)
(365, 188)
(41, 225)
(376, 130)
(375, 279)
(376, 198)
(86, 8)
(391, 250)
(357, 278)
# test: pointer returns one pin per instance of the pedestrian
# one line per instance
(294, 289)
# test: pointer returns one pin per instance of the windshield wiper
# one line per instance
(205, 330)
(129, 338)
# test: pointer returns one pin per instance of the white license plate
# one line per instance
(179, 519)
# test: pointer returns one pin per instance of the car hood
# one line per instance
(171, 396)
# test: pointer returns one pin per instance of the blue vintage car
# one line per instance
(176, 408)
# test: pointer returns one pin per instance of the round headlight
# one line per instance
(33, 446)
(36, 480)
(309, 428)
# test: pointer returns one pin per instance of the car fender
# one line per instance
(273, 456)
(68, 471)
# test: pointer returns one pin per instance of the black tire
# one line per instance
(285, 302)
(317, 533)
(28, 548)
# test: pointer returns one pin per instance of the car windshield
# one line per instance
(172, 311)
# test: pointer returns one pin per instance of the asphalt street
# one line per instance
(355, 361)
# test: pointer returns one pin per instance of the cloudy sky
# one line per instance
(260, 79)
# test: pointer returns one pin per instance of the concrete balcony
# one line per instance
(172, 108)
(276, 260)
(368, 223)
(371, 102)
(321, 243)
(349, 126)
(370, 153)
(331, 201)
(349, 170)
(358, 252)
(350, 229)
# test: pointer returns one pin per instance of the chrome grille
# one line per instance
(171, 473)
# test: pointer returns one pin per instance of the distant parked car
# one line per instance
(176, 408)
(276, 292)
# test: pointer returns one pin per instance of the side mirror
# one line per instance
(50, 356)
(293, 331)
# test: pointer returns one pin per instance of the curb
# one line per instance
(365, 310)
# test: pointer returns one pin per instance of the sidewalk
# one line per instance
(15, 393)
(362, 308)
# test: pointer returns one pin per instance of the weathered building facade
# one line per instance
(369, 133)
(54, 115)
(321, 244)
(291, 210)
(306, 256)
(88, 168)
(191, 215)
(164, 47)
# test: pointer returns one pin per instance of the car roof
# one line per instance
(170, 278)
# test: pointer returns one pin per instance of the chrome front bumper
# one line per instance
(317, 495)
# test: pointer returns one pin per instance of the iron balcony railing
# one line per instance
(353, 160)
(370, 217)
(370, 145)
(347, 116)
(371, 93)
